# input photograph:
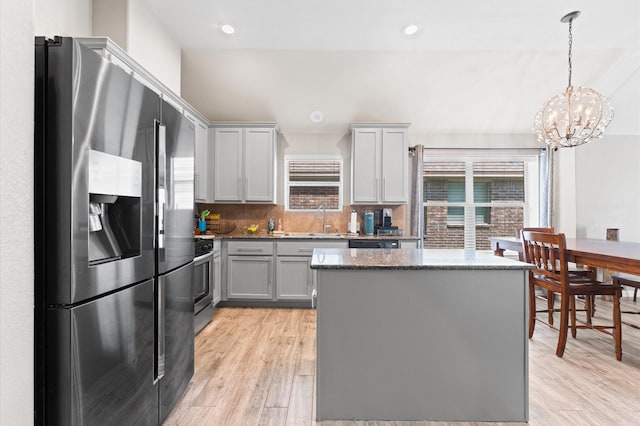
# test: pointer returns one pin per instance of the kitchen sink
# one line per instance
(317, 235)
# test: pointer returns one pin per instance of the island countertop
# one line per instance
(411, 259)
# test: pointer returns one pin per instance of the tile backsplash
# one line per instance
(243, 215)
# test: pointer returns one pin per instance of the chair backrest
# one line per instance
(548, 252)
(519, 235)
(545, 230)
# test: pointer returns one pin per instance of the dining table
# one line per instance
(619, 256)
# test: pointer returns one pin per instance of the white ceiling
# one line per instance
(474, 66)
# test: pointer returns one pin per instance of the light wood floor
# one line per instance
(256, 366)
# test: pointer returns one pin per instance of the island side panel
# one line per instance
(422, 345)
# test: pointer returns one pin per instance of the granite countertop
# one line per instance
(411, 259)
(305, 236)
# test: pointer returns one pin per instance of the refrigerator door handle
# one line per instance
(162, 180)
(160, 359)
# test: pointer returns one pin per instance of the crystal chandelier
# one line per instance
(575, 116)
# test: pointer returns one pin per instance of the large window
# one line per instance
(479, 194)
(313, 181)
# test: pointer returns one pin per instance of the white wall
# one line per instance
(110, 19)
(63, 17)
(19, 22)
(608, 187)
(564, 200)
(149, 43)
(16, 212)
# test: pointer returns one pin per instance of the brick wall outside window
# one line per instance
(309, 197)
(503, 220)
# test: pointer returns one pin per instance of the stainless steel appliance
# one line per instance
(203, 284)
(114, 243)
(383, 223)
(374, 243)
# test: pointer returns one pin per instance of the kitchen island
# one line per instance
(411, 334)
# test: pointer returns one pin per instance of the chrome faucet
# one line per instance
(324, 218)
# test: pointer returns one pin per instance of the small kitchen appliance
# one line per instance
(368, 223)
(383, 223)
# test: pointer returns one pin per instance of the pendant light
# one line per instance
(575, 116)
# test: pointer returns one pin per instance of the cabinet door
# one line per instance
(228, 164)
(249, 277)
(395, 161)
(294, 278)
(202, 163)
(259, 158)
(408, 244)
(217, 278)
(365, 173)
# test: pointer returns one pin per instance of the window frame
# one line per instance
(313, 157)
(532, 193)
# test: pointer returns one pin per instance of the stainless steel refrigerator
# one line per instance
(114, 167)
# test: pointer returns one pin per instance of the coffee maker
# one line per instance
(384, 225)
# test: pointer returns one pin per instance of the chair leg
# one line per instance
(587, 307)
(573, 316)
(617, 325)
(564, 325)
(635, 293)
(551, 298)
(532, 309)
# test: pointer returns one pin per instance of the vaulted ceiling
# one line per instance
(473, 66)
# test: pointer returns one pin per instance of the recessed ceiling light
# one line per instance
(227, 29)
(316, 116)
(410, 29)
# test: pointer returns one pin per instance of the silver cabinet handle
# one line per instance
(314, 296)
(384, 189)
(249, 250)
(301, 250)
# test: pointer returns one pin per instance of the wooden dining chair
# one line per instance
(629, 281)
(575, 273)
(548, 252)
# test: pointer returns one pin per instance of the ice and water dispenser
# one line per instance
(115, 193)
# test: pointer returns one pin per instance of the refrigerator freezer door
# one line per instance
(100, 361)
(92, 106)
(178, 335)
(174, 174)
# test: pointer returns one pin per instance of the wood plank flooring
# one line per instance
(256, 366)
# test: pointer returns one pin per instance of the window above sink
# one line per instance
(312, 181)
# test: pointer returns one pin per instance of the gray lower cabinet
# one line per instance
(271, 271)
(250, 270)
(217, 272)
(294, 278)
(409, 244)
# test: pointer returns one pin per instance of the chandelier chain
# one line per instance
(570, 44)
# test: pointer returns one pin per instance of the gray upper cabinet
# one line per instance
(203, 182)
(244, 161)
(203, 191)
(227, 164)
(379, 163)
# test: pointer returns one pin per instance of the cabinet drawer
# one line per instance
(305, 248)
(250, 248)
